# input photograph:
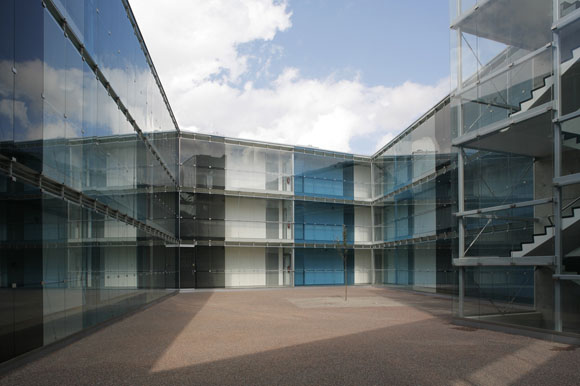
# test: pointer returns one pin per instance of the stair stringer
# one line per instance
(540, 240)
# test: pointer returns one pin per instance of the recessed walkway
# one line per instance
(301, 336)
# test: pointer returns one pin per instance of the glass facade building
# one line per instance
(88, 181)
(105, 205)
(414, 180)
(515, 103)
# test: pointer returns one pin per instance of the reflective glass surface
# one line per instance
(503, 65)
(64, 268)
(570, 67)
(323, 176)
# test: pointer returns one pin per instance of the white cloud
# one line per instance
(322, 113)
(196, 39)
(384, 140)
(194, 47)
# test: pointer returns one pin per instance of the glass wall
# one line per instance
(417, 154)
(202, 164)
(496, 179)
(331, 175)
(236, 267)
(87, 203)
(570, 168)
(211, 163)
(501, 59)
(415, 192)
(514, 111)
(227, 217)
(567, 7)
(21, 276)
(323, 223)
(21, 82)
(95, 268)
(82, 111)
(321, 266)
(238, 192)
(251, 168)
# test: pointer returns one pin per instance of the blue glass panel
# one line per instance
(321, 222)
(323, 176)
(322, 267)
(90, 25)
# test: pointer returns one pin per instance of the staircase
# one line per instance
(537, 95)
(540, 95)
(543, 244)
(571, 140)
(567, 6)
(572, 263)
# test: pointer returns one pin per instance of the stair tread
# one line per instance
(542, 238)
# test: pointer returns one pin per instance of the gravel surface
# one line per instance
(300, 336)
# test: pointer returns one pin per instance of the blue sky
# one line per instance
(384, 42)
(338, 74)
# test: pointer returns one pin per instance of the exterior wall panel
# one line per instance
(245, 267)
(362, 266)
(89, 245)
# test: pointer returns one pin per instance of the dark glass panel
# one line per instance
(187, 268)
(208, 160)
(570, 67)
(21, 268)
(6, 75)
(29, 52)
(209, 267)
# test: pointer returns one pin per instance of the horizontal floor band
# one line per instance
(496, 261)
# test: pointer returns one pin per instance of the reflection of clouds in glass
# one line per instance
(424, 145)
(139, 92)
(6, 107)
(84, 115)
(72, 108)
(21, 113)
(54, 125)
(28, 77)
(24, 107)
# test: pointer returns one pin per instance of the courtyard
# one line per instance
(297, 336)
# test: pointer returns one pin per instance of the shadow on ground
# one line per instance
(228, 339)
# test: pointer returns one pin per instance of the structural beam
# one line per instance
(569, 179)
(497, 261)
(522, 204)
(465, 139)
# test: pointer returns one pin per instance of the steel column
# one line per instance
(557, 190)
(460, 173)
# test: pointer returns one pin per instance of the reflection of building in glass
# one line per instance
(88, 182)
(106, 206)
(515, 123)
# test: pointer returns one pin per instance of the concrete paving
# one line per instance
(301, 336)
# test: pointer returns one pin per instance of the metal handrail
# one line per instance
(571, 203)
(567, 206)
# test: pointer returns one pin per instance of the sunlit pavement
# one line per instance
(301, 336)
